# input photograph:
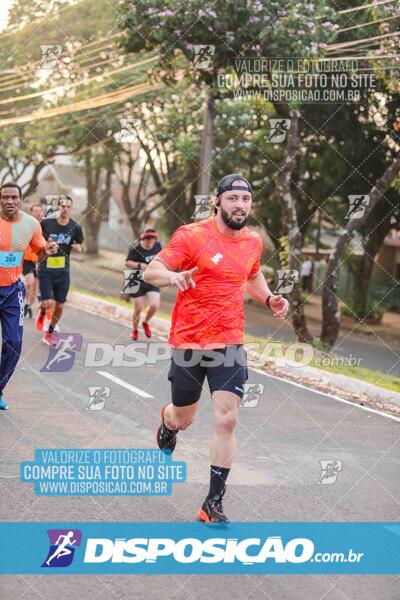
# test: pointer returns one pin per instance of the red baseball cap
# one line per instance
(149, 233)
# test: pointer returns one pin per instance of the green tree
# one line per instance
(175, 27)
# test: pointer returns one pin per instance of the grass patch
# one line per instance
(389, 382)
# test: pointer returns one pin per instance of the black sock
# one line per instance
(42, 310)
(50, 329)
(218, 477)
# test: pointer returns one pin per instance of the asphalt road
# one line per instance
(375, 353)
(280, 444)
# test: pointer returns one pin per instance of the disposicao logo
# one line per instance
(190, 550)
(62, 547)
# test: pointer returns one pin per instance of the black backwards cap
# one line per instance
(226, 184)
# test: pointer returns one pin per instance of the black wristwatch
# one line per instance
(268, 300)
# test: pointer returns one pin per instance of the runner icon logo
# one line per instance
(50, 55)
(62, 357)
(357, 206)
(129, 126)
(51, 204)
(132, 281)
(329, 471)
(279, 129)
(251, 394)
(286, 280)
(202, 56)
(63, 543)
(203, 207)
(97, 397)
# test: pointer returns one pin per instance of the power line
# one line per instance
(76, 57)
(102, 100)
(366, 24)
(363, 6)
(70, 86)
(357, 42)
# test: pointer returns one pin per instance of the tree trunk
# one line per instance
(330, 306)
(366, 264)
(363, 277)
(91, 221)
(283, 190)
(207, 144)
(91, 236)
(34, 181)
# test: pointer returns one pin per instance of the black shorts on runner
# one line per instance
(225, 369)
(143, 289)
(29, 267)
(54, 285)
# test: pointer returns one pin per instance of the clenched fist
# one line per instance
(279, 306)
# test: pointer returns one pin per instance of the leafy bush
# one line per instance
(372, 313)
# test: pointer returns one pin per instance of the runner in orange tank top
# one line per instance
(17, 231)
(212, 263)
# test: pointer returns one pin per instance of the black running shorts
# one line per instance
(28, 267)
(143, 289)
(225, 369)
(54, 285)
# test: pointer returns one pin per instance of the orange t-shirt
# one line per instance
(15, 237)
(211, 314)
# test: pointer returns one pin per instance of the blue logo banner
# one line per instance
(186, 548)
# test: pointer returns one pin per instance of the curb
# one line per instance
(113, 312)
(161, 326)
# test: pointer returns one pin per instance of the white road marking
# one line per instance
(128, 386)
(372, 410)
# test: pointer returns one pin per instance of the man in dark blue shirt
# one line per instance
(54, 279)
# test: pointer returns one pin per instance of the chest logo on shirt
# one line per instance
(216, 258)
(61, 238)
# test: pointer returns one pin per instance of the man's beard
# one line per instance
(230, 222)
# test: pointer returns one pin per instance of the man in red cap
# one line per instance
(139, 256)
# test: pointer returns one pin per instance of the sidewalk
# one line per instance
(388, 329)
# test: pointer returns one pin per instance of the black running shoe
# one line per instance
(212, 510)
(166, 438)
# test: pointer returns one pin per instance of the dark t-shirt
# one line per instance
(65, 236)
(139, 254)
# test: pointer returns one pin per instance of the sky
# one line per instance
(4, 6)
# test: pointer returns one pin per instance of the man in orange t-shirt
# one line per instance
(17, 231)
(218, 260)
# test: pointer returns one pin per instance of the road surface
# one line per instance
(280, 444)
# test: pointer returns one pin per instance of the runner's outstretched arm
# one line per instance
(158, 274)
